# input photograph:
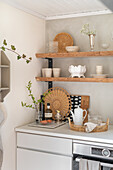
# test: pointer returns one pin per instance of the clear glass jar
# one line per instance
(95, 118)
(53, 47)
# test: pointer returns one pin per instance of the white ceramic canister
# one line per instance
(99, 69)
(48, 72)
(56, 72)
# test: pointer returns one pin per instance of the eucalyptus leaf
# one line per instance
(4, 42)
(3, 48)
(13, 47)
(18, 57)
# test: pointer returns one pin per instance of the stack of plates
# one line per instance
(99, 75)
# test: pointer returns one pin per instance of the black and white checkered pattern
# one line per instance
(75, 102)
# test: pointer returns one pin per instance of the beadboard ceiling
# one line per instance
(56, 9)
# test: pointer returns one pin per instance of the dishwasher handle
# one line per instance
(101, 163)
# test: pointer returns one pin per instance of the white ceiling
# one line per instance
(54, 9)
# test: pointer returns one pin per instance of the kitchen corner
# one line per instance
(56, 85)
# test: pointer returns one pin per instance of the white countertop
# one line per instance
(65, 132)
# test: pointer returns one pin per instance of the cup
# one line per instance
(56, 72)
(43, 72)
(99, 69)
(53, 46)
(48, 72)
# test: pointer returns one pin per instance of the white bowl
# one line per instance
(72, 48)
(77, 71)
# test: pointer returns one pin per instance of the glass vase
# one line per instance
(38, 114)
(92, 41)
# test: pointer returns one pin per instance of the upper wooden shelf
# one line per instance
(69, 79)
(75, 54)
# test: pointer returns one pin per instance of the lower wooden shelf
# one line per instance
(70, 79)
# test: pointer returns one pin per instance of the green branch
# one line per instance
(13, 50)
(35, 102)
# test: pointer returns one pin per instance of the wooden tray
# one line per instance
(83, 129)
(63, 39)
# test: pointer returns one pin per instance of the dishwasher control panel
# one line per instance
(93, 150)
(102, 152)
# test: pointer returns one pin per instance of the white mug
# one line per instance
(99, 69)
(48, 72)
(43, 72)
(56, 72)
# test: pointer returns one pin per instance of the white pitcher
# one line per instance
(78, 116)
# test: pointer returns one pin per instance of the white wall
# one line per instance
(28, 34)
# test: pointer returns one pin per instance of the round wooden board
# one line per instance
(64, 40)
(59, 99)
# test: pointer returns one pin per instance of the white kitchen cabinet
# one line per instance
(33, 160)
(38, 152)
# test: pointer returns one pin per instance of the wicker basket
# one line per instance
(63, 39)
(59, 99)
(83, 129)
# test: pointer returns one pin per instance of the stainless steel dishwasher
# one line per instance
(93, 151)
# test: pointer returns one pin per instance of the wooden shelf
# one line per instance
(75, 54)
(69, 79)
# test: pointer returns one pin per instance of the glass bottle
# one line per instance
(48, 112)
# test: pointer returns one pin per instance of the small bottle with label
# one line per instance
(48, 113)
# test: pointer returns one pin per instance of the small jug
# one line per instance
(78, 116)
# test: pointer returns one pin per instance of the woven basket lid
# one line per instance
(64, 40)
(59, 99)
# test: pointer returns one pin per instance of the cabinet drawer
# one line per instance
(44, 143)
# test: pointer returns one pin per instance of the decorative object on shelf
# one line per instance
(92, 41)
(81, 101)
(77, 71)
(64, 40)
(91, 33)
(99, 69)
(58, 116)
(43, 72)
(48, 72)
(48, 113)
(36, 103)
(72, 48)
(53, 47)
(13, 50)
(78, 117)
(59, 99)
(99, 75)
(101, 128)
(56, 72)
(105, 46)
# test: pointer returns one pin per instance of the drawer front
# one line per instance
(45, 143)
(31, 160)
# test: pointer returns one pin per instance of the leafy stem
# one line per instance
(35, 102)
(13, 49)
(86, 30)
